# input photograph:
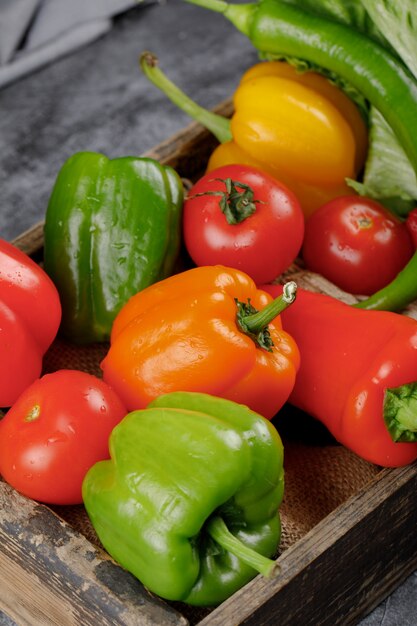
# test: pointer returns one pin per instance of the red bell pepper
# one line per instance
(357, 375)
(30, 314)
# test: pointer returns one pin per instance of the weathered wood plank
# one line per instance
(51, 575)
(31, 241)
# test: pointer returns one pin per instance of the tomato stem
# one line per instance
(236, 202)
(255, 323)
(216, 124)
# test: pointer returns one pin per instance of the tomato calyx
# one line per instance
(236, 203)
(365, 223)
(255, 323)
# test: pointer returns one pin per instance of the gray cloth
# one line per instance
(15, 15)
(35, 32)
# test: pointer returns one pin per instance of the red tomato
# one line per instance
(57, 429)
(357, 244)
(411, 223)
(264, 244)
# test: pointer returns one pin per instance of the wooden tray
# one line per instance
(335, 573)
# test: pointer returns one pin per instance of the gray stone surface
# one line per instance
(97, 99)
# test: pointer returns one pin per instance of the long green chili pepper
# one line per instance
(276, 27)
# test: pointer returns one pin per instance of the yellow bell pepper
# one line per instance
(328, 90)
(298, 127)
(311, 197)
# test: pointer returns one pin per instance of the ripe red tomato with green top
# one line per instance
(56, 430)
(357, 244)
(243, 218)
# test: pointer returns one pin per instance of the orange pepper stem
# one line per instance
(400, 412)
(216, 124)
(218, 530)
(255, 323)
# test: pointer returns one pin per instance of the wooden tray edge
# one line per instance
(309, 590)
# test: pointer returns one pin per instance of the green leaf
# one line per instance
(389, 176)
(397, 21)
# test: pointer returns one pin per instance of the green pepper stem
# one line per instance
(214, 5)
(397, 294)
(259, 320)
(216, 124)
(400, 412)
(218, 530)
(239, 14)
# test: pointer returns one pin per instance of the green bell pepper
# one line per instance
(112, 228)
(189, 500)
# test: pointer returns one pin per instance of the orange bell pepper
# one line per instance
(357, 375)
(199, 331)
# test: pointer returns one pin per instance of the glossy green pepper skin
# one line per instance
(112, 228)
(179, 469)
